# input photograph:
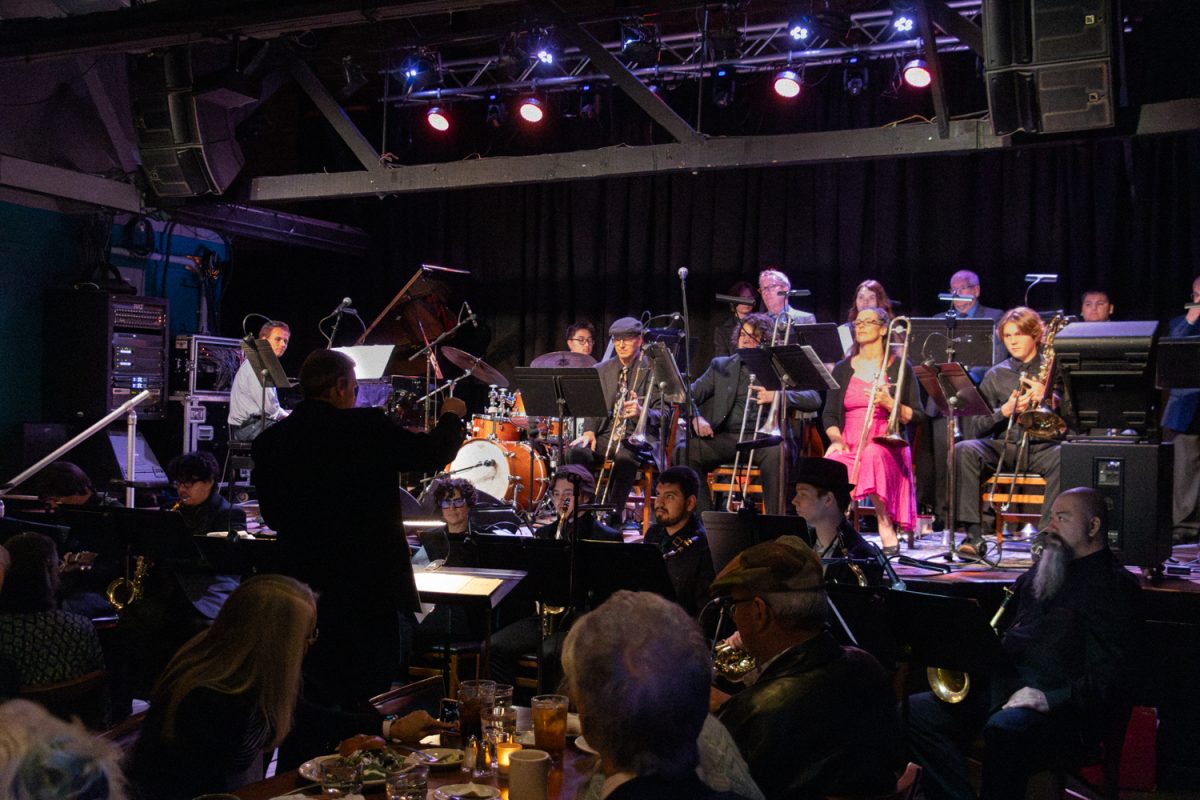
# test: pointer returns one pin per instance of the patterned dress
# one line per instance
(49, 646)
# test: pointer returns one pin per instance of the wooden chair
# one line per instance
(85, 697)
(1025, 493)
(448, 662)
(720, 484)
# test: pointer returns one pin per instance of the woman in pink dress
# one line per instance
(882, 473)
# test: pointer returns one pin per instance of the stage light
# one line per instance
(418, 69)
(723, 86)
(545, 56)
(855, 76)
(800, 29)
(497, 112)
(531, 110)
(903, 23)
(543, 49)
(437, 119)
(916, 73)
(639, 41)
(787, 83)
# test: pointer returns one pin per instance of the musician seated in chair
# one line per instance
(678, 532)
(822, 495)
(1073, 643)
(1010, 387)
(624, 379)
(736, 406)
(570, 481)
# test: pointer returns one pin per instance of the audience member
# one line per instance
(44, 644)
(44, 758)
(1073, 642)
(231, 694)
(638, 670)
(817, 719)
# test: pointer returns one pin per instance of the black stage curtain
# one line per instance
(1108, 213)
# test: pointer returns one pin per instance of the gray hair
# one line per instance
(638, 669)
(44, 758)
(799, 609)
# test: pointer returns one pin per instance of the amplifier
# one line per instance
(1136, 480)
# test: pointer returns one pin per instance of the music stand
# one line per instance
(560, 392)
(731, 532)
(946, 632)
(608, 567)
(823, 338)
(953, 391)
(967, 341)
(267, 369)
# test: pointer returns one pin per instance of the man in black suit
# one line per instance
(725, 385)
(625, 375)
(328, 482)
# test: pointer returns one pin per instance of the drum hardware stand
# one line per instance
(431, 365)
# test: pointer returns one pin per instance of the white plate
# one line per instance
(311, 770)
(448, 792)
(582, 744)
(448, 758)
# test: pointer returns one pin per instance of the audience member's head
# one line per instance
(63, 483)
(329, 376)
(777, 593)
(1095, 306)
(44, 758)
(194, 475)
(33, 575)
(241, 655)
(638, 670)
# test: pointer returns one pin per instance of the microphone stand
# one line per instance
(337, 321)
(687, 371)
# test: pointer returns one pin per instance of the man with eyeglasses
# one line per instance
(726, 398)
(965, 283)
(774, 286)
(581, 338)
(328, 480)
(624, 379)
(816, 718)
(1181, 417)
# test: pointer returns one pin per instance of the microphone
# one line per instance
(342, 306)
(470, 313)
(452, 270)
(683, 273)
(797, 293)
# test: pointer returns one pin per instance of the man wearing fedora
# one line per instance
(817, 718)
(624, 379)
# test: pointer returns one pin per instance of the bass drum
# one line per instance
(512, 471)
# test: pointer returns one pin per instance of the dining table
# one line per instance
(567, 774)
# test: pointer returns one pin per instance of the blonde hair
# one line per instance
(254, 647)
(44, 758)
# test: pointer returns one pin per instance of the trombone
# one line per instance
(893, 438)
(768, 430)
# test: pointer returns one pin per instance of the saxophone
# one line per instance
(1042, 422)
(122, 592)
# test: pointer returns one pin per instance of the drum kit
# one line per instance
(509, 455)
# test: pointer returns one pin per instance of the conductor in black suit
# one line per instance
(626, 375)
(726, 383)
(328, 482)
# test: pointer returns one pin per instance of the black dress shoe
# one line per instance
(973, 549)
(890, 551)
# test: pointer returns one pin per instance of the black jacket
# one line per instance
(720, 384)
(610, 379)
(821, 719)
(835, 401)
(689, 565)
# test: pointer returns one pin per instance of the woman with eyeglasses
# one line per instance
(884, 474)
(231, 695)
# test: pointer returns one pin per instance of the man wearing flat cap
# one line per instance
(573, 485)
(624, 377)
(817, 718)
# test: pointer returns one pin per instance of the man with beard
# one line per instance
(1072, 645)
(679, 534)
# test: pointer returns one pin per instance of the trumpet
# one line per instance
(951, 685)
(617, 435)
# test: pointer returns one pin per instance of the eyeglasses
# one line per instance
(772, 286)
(728, 604)
(186, 483)
(582, 340)
(866, 323)
(626, 337)
(457, 502)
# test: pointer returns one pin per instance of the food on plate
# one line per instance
(361, 742)
(372, 752)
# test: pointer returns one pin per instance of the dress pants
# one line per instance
(720, 449)
(974, 458)
(1018, 742)
(626, 463)
(1186, 516)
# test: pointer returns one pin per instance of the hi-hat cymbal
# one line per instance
(478, 367)
(563, 358)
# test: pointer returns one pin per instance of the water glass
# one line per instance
(408, 784)
(340, 779)
(550, 723)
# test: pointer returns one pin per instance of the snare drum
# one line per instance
(512, 471)
(488, 427)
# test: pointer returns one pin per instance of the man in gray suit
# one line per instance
(727, 395)
(774, 286)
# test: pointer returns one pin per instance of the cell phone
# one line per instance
(448, 710)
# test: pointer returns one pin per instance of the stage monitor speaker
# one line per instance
(1136, 481)
(1049, 65)
(186, 137)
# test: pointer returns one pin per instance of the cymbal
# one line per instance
(479, 368)
(563, 358)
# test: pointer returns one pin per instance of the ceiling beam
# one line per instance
(941, 109)
(956, 25)
(30, 176)
(346, 130)
(726, 153)
(603, 60)
(270, 225)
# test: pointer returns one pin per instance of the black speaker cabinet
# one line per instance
(1049, 64)
(1136, 482)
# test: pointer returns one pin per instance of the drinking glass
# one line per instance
(550, 723)
(339, 778)
(473, 697)
(500, 718)
(408, 784)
